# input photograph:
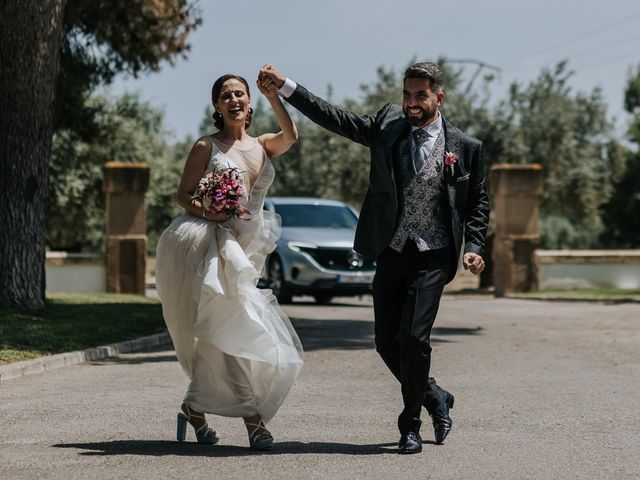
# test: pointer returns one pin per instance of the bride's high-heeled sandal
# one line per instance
(260, 438)
(204, 434)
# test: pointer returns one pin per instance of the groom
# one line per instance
(426, 186)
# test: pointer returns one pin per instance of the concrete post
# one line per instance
(516, 191)
(125, 185)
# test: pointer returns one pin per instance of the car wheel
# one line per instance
(323, 298)
(279, 286)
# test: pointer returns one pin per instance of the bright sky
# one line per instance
(343, 42)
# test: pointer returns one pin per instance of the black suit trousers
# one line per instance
(406, 295)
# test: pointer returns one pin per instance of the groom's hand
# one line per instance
(270, 78)
(473, 262)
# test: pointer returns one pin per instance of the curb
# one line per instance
(604, 301)
(62, 360)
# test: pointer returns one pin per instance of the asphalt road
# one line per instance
(543, 391)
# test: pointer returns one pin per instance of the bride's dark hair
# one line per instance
(215, 93)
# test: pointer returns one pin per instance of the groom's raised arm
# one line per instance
(348, 124)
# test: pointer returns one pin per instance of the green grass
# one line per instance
(590, 293)
(76, 322)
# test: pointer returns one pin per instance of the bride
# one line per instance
(232, 339)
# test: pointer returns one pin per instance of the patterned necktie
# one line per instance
(420, 136)
(407, 165)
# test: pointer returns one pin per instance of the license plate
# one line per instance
(354, 279)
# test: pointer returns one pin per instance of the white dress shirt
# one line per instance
(288, 88)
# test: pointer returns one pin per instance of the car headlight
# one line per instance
(309, 248)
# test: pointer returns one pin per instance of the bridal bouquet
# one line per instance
(220, 192)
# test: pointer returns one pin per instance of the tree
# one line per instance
(93, 41)
(30, 37)
(103, 39)
(129, 130)
(620, 214)
(570, 135)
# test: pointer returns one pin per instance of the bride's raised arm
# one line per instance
(278, 143)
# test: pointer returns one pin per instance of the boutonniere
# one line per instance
(450, 159)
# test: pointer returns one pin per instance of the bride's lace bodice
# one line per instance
(257, 172)
(261, 228)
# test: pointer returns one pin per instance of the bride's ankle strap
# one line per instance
(190, 412)
(258, 426)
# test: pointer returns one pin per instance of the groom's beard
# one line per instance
(421, 120)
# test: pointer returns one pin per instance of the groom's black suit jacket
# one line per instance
(467, 198)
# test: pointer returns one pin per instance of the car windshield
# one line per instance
(319, 216)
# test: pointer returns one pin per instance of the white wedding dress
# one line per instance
(232, 339)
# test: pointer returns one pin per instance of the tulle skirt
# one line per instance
(232, 339)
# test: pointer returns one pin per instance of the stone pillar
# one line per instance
(516, 191)
(125, 185)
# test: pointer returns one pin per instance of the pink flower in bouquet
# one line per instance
(220, 192)
(450, 159)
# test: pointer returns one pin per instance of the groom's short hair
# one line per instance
(429, 70)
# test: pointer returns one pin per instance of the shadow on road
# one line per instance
(356, 334)
(334, 334)
(160, 448)
(314, 334)
(486, 293)
(337, 302)
(165, 356)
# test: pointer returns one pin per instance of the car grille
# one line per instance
(340, 259)
(343, 287)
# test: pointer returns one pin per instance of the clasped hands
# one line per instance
(269, 80)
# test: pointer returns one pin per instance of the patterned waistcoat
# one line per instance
(424, 218)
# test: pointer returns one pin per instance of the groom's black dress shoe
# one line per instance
(442, 422)
(410, 443)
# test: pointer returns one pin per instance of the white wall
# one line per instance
(67, 272)
(590, 276)
(589, 268)
(76, 278)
